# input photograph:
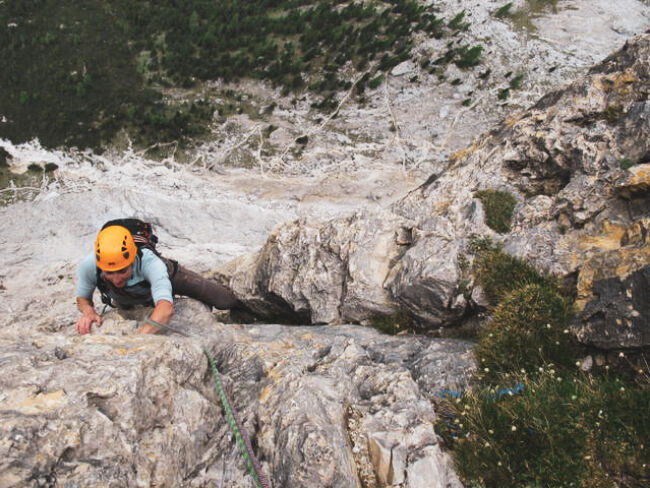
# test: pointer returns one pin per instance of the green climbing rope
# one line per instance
(236, 427)
(243, 442)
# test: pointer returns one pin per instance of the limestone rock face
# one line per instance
(577, 165)
(324, 406)
(331, 272)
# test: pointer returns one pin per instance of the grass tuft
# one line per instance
(500, 274)
(393, 324)
(526, 331)
(499, 207)
(532, 417)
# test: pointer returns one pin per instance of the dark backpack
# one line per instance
(141, 231)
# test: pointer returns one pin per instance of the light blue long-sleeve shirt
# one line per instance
(149, 268)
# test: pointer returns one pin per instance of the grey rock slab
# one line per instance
(115, 409)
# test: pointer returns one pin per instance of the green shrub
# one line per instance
(612, 113)
(375, 82)
(626, 163)
(469, 57)
(559, 431)
(393, 324)
(515, 83)
(457, 21)
(499, 273)
(532, 417)
(499, 207)
(4, 155)
(503, 11)
(485, 74)
(529, 328)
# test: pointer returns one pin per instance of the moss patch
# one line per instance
(499, 207)
(400, 321)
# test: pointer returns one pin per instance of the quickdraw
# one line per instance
(236, 427)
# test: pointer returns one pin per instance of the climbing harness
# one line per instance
(236, 427)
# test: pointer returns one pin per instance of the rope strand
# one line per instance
(241, 437)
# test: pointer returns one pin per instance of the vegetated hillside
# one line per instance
(75, 74)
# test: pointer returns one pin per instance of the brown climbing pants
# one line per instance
(211, 292)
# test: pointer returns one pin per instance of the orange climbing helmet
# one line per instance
(114, 248)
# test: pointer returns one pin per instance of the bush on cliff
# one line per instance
(532, 417)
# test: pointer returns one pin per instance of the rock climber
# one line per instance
(129, 275)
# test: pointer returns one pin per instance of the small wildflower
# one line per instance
(487, 370)
(522, 370)
(548, 326)
(490, 335)
(492, 392)
(621, 355)
(607, 367)
(587, 457)
(513, 428)
(499, 463)
(552, 371)
(487, 444)
(578, 364)
(566, 331)
(574, 397)
(558, 379)
(622, 388)
(490, 431)
(457, 400)
(540, 369)
(456, 421)
(557, 343)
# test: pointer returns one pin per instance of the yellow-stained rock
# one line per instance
(609, 239)
(636, 180)
(612, 264)
(24, 400)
